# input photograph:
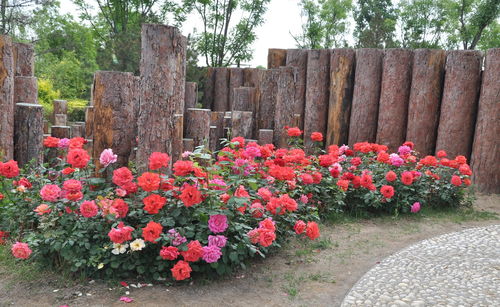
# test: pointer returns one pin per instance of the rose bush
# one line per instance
(212, 213)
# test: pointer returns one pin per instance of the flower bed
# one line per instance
(210, 215)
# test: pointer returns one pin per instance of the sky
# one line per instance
(281, 19)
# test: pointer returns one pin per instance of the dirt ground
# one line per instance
(302, 274)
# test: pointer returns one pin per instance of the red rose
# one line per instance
(343, 184)
(240, 140)
(78, 158)
(326, 160)
(120, 208)
(317, 136)
(190, 196)
(169, 253)
(153, 203)
(266, 236)
(120, 234)
(194, 252)
(294, 132)
(76, 143)
(181, 270)
(158, 160)
(9, 169)
(51, 142)
(152, 231)
(390, 176)
(299, 227)
(149, 181)
(455, 180)
(122, 176)
(387, 191)
(68, 170)
(407, 178)
(312, 230)
(183, 168)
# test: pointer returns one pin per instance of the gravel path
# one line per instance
(456, 269)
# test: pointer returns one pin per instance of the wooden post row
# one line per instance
(163, 74)
(486, 147)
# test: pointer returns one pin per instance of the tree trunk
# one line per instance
(265, 136)
(267, 102)
(297, 58)
(178, 135)
(276, 58)
(24, 59)
(217, 120)
(241, 124)
(486, 148)
(317, 94)
(425, 97)
(364, 111)
(462, 83)
(394, 96)
(113, 101)
(89, 122)
(28, 133)
(25, 89)
(285, 108)
(221, 91)
(208, 88)
(244, 99)
(342, 64)
(163, 74)
(235, 81)
(6, 98)
(198, 126)
(191, 96)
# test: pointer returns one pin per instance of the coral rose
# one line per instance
(78, 158)
(299, 227)
(88, 209)
(391, 176)
(169, 253)
(149, 181)
(387, 191)
(21, 250)
(153, 203)
(122, 176)
(293, 132)
(407, 178)
(9, 169)
(456, 181)
(119, 208)
(152, 231)
(312, 230)
(50, 192)
(317, 136)
(190, 196)
(181, 270)
(194, 252)
(120, 234)
(51, 142)
(183, 168)
(158, 160)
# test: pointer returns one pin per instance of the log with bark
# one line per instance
(276, 58)
(221, 89)
(28, 133)
(244, 99)
(242, 124)
(6, 98)
(197, 126)
(191, 95)
(25, 89)
(297, 58)
(235, 81)
(285, 108)
(24, 59)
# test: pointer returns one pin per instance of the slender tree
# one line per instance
(375, 24)
(16, 15)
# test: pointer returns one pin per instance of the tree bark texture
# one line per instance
(89, 122)
(242, 124)
(364, 111)
(78, 130)
(285, 108)
(235, 81)
(317, 94)
(208, 88)
(163, 74)
(425, 97)
(6, 98)
(177, 146)
(25, 89)
(462, 83)
(28, 133)
(221, 92)
(213, 139)
(394, 96)
(244, 99)
(486, 149)
(342, 65)
(267, 102)
(276, 58)
(198, 126)
(297, 58)
(60, 119)
(217, 120)
(24, 59)
(113, 102)
(59, 107)
(191, 96)
(265, 136)
(188, 144)
(61, 132)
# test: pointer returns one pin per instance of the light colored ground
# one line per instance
(302, 274)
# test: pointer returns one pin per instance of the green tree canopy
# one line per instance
(375, 24)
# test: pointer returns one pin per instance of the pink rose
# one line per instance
(50, 192)
(211, 253)
(107, 157)
(88, 209)
(219, 241)
(21, 250)
(415, 207)
(217, 223)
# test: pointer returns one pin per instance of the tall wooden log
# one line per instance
(28, 133)
(191, 95)
(89, 122)
(25, 89)
(78, 130)
(276, 58)
(251, 77)
(217, 120)
(462, 83)
(163, 71)
(394, 96)
(6, 98)
(177, 146)
(317, 94)
(60, 119)
(46, 126)
(24, 59)
(113, 101)
(265, 136)
(284, 113)
(486, 148)
(208, 88)
(342, 65)
(235, 81)
(241, 124)
(425, 97)
(213, 139)
(364, 111)
(188, 144)
(221, 91)
(267, 102)
(244, 98)
(298, 58)
(198, 126)
(59, 107)
(61, 132)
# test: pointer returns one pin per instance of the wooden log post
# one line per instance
(198, 126)
(60, 119)
(89, 122)
(227, 120)
(208, 88)
(235, 81)
(213, 139)
(59, 107)
(177, 146)
(297, 58)
(486, 147)
(61, 132)
(188, 144)
(221, 90)
(25, 89)
(284, 113)
(267, 101)
(342, 65)
(394, 96)
(276, 58)
(191, 96)
(217, 120)
(163, 71)
(113, 100)
(24, 59)
(317, 94)
(78, 130)
(265, 136)
(425, 97)
(46, 126)
(242, 124)
(28, 133)
(364, 110)
(462, 82)
(6, 98)
(244, 98)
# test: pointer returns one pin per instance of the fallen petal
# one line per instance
(126, 299)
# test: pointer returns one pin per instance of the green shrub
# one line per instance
(46, 95)
(76, 110)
